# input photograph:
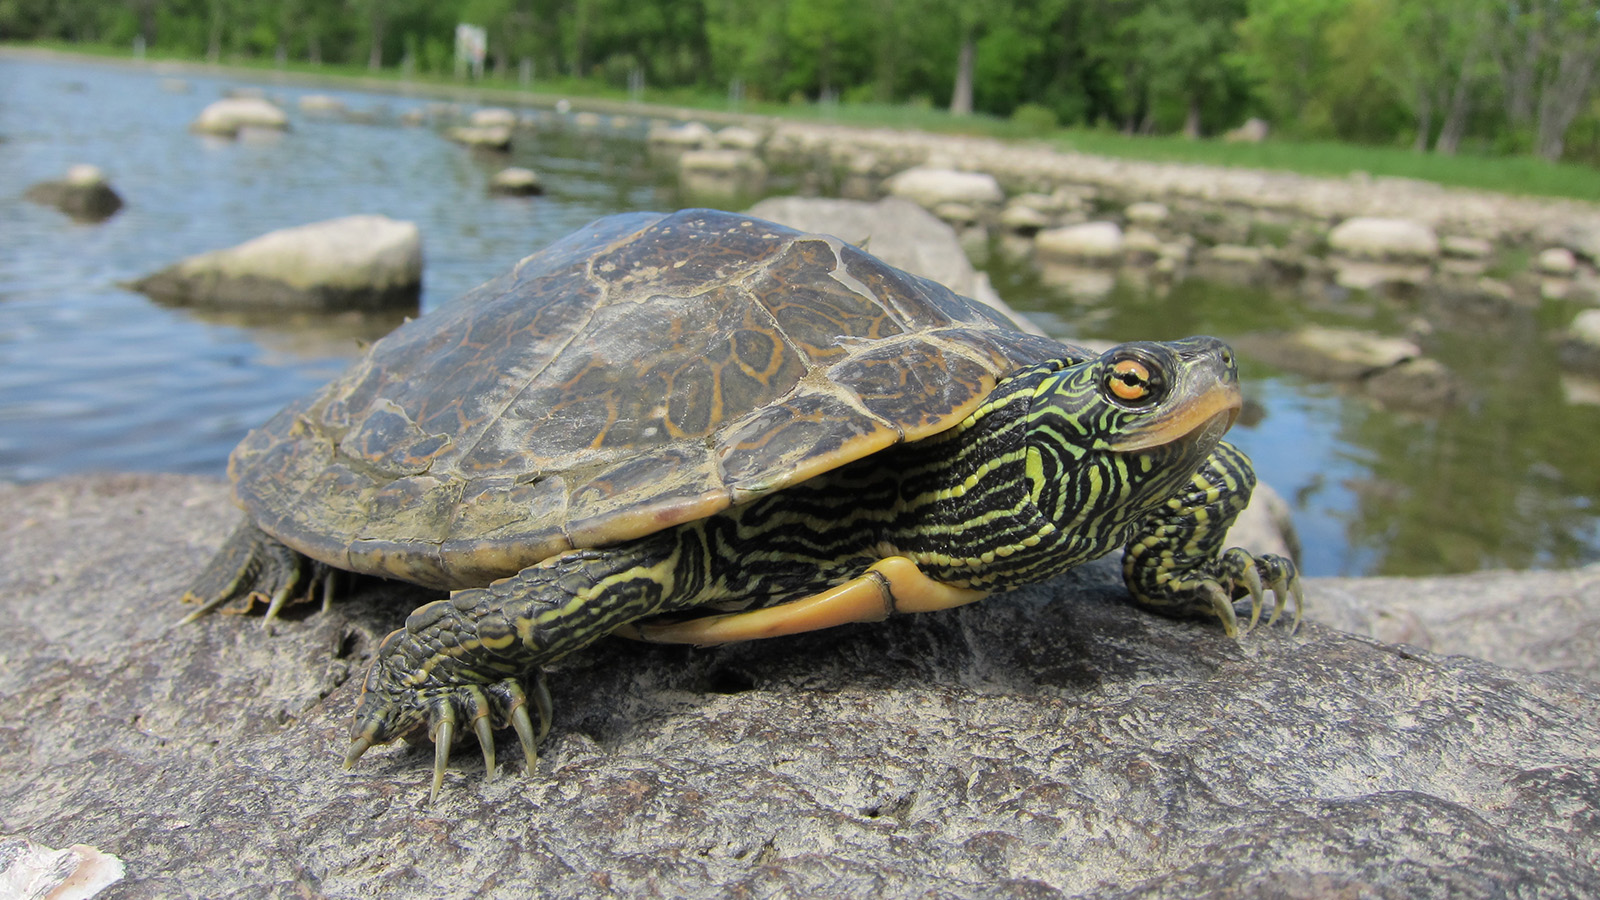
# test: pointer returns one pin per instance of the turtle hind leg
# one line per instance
(252, 567)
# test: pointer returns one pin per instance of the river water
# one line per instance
(94, 377)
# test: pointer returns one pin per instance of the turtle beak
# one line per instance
(1206, 416)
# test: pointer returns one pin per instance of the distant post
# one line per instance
(472, 46)
(138, 46)
(525, 71)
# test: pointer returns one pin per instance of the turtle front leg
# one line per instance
(1175, 563)
(255, 566)
(476, 657)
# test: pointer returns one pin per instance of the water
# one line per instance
(95, 377)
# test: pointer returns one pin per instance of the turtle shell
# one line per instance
(645, 371)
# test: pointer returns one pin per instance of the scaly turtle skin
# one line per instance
(663, 416)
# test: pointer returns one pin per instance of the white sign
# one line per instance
(472, 45)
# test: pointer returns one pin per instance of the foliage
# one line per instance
(1035, 119)
(1446, 76)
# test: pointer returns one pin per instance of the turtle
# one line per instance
(702, 427)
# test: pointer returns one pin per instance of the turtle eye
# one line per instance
(1131, 382)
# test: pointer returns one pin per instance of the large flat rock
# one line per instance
(1052, 742)
(360, 262)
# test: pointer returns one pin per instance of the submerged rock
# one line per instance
(321, 105)
(928, 187)
(516, 181)
(1099, 243)
(84, 194)
(1336, 354)
(1373, 238)
(492, 117)
(687, 136)
(721, 173)
(228, 116)
(352, 263)
(486, 137)
(1052, 742)
(1558, 261)
(738, 137)
(1581, 346)
(1465, 247)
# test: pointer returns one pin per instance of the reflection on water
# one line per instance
(93, 377)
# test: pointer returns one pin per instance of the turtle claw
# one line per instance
(1222, 605)
(1210, 587)
(1252, 583)
(358, 746)
(480, 725)
(1259, 574)
(390, 708)
(525, 736)
(443, 737)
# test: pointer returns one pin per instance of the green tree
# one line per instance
(1284, 50)
(1437, 50)
(1182, 48)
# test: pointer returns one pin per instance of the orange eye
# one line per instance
(1129, 380)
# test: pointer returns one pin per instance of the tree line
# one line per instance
(1495, 76)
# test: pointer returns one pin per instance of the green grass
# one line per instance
(1507, 174)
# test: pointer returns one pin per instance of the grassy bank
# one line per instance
(1506, 174)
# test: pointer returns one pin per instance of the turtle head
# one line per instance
(1111, 437)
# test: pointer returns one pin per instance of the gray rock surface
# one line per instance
(1539, 621)
(362, 262)
(1047, 743)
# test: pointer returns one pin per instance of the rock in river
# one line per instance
(721, 173)
(227, 116)
(486, 137)
(1581, 347)
(1098, 243)
(353, 263)
(929, 187)
(516, 181)
(84, 194)
(1366, 237)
